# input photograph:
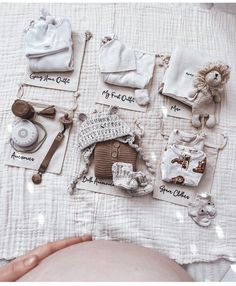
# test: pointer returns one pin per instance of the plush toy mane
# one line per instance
(200, 78)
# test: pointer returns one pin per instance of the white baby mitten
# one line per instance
(141, 96)
(123, 176)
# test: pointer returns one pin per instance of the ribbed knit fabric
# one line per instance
(109, 152)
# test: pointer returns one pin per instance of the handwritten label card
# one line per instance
(178, 109)
(91, 183)
(179, 195)
(122, 97)
(61, 80)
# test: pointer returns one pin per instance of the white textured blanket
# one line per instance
(33, 215)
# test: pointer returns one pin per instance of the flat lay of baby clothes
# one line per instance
(183, 161)
(123, 66)
(48, 44)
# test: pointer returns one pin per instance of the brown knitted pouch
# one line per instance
(108, 152)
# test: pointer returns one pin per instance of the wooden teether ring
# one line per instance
(37, 178)
(66, 120)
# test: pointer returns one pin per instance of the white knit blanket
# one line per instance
(33, 215)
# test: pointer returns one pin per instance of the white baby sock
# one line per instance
(123, 176)
(141, 96)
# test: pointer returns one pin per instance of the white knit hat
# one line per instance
(115, 56)
(99, 127)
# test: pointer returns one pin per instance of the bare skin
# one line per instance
(23, 264)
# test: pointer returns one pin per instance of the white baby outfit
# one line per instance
(183, 161)
(48, 44)
(123, 66)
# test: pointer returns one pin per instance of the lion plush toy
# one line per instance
(208, 89)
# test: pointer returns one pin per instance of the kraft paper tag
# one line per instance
(91, 183)
(122, 97)
(67, 81)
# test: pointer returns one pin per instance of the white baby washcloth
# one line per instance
(178, 78)
(48, 44)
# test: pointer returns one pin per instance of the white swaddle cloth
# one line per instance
(123, 66)
(178, 78)
(48, 44)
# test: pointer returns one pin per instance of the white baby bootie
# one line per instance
(123, 176)
(145, 186)
(135, 184)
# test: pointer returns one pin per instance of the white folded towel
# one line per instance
(48, 44)
(178, 78)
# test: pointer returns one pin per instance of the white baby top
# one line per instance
(178, 137)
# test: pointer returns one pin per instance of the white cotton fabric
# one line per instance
(32, 216)
(179, 137)
(171, 170)
(123, 66)
(114, 56)
(48, 45)
(183, 146)
(178, 78)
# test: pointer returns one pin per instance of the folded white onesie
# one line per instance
(123, 66)
(48, 44)
(183, 161)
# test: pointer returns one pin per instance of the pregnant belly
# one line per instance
(107, 261)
